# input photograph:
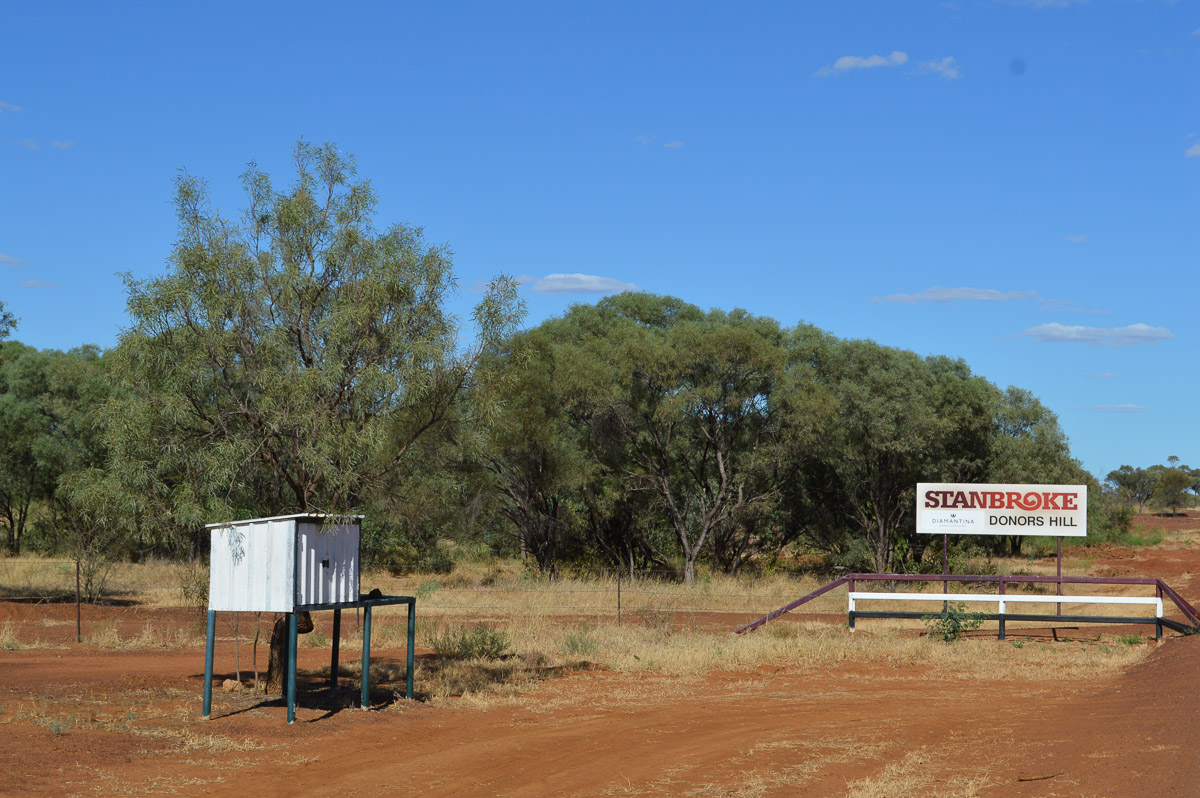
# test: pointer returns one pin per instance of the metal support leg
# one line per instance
(337, 639)
(366, 657)
(409, 657)
(851, 618)
(208, 663)
(291, 669)
(1158, 630)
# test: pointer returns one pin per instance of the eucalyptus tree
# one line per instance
(290, 360)
(25, 477)
(1028, 447)
(8, 322)
(533, 455)
(899, 419)
(1133, 484)
(678, 403)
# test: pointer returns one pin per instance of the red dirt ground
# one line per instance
(770, 732)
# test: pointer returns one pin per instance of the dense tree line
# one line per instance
(299, 360)
(1167, 487)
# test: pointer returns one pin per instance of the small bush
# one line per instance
(427, 589)
(478, 642)
(579, 643)
(952, 622)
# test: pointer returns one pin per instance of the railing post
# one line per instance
(1001, 608)
(1059, 610)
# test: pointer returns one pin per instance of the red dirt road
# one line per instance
(765, 733)
(82, 721)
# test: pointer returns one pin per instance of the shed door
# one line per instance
(327, 563)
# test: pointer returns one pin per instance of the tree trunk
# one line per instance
(277, 662)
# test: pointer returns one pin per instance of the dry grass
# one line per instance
(915, 775)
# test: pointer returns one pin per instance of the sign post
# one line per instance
(971, 509)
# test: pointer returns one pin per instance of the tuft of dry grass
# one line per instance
(915, 775)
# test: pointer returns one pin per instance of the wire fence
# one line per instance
(174, 593)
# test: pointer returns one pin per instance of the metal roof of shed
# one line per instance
(294, 516)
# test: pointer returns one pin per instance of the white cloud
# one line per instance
(643, 140)
(9, 107)
(36, 284)
(31, 144)
(849, 62)
(958, 295)
(1043, 3)
(1131, 335)
(1108, 375)
(946, 67)
(1115, 409)
(673, 145)
(66, 144)
(579, 284)
(1075, 239)
(9, 260)
(1192, 151)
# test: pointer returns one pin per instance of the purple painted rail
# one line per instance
(1162, 588)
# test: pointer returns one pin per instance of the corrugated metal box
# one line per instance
(277, 564)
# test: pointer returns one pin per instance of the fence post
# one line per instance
(618, 597)
(78, 622)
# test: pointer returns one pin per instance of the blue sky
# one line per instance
(1013, 183)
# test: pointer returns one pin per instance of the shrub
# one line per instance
(952, 622)
(579, 643)
(478, 642)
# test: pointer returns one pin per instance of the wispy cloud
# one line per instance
(1131, 335)
(63, 144)
(1075, 239)
(1043, 3)
(1192, 151)
(579, 284)
(1114, 409)
(1108, 375)
(674, 144)
(946, 67)
(29, 144)
(9, 260)
(849, 62)
(643, 140)
(36, 284)
(958, 295)
(9, 107)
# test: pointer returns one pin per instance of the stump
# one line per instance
(277, 662)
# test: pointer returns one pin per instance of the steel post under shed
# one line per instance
(366, 603)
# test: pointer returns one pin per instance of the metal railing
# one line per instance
(1162, 589)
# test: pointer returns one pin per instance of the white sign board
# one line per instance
(969, 509)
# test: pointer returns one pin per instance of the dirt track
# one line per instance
(764, 733)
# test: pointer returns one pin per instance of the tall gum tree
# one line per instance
(290, 360)
(679, 402)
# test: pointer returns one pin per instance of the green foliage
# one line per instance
(579, 643)
(1131, 640)
(952, 622)
(428, 588)
(477, 642)
(291, 361)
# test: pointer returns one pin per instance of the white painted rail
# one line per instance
(1005, 599)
